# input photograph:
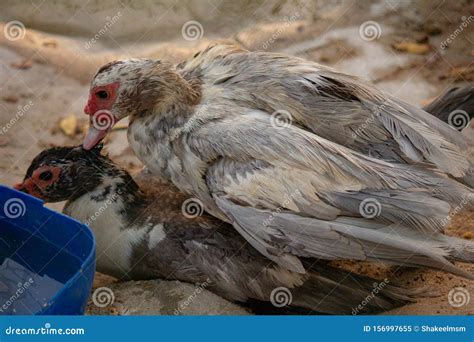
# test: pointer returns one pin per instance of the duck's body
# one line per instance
(209, 127)
(145, 235)
(455, 106)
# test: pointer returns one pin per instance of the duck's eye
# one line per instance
(46, 175)
(102, 94)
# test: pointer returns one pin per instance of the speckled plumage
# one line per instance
(348, 142)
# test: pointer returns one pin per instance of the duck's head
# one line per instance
(63, 173)
(126, 88)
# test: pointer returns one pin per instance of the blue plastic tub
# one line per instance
(47, 260)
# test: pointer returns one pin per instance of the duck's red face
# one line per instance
(61, 173)
(100, 108)
(40, 182)
(114, 94)
(102, 98)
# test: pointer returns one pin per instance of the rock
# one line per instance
(159, 297)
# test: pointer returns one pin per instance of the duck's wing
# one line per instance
(337, 107)
(310, 182)
(238, 272)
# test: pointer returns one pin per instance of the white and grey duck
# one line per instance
(344, 170)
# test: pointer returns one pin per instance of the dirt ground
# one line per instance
(44, 75)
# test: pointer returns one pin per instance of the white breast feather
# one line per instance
(156, 235)
(113, 242)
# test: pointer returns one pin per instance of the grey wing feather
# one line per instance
(335, 106)
(310, 237)
(330, 179)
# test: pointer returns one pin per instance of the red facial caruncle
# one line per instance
(99, 107)
(41, 178)
(101, 97)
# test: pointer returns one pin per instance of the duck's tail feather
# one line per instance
(336, 291)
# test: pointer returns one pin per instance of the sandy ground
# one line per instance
(44, 76)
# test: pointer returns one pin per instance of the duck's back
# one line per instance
(335, 106)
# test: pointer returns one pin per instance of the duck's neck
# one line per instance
(166, 92)
(111, 210)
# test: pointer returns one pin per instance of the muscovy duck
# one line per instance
(144, 234)
(353, 174)
(455, 106)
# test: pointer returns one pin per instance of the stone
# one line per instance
(159, 297)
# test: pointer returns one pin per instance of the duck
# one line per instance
(303, 161)
(142, 232)
(455, 106)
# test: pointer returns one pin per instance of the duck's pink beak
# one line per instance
(93, 137)
(101, 122)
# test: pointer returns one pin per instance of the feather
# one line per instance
(309, 237)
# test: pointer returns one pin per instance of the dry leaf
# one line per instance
(23, 65)
(465, 73)
(68, 125)
(412, 47)
(10, 99)
(120, 126)
(4, 141)
(50, 43)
